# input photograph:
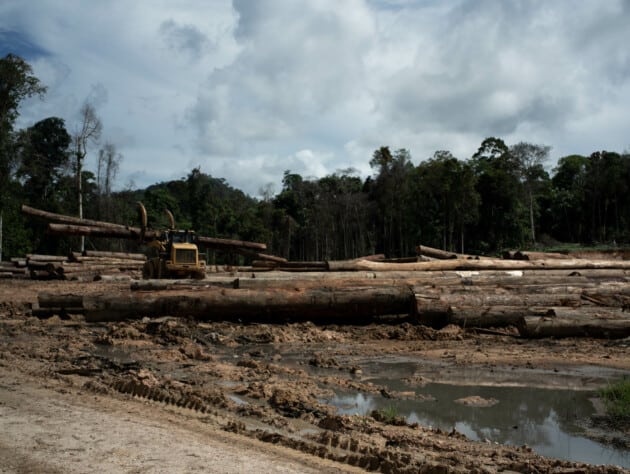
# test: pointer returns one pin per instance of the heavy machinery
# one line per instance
(176, 252)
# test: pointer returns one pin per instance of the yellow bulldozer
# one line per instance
(176, 254)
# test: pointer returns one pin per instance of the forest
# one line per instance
(501, 197)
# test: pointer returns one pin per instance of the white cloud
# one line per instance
(249, 89)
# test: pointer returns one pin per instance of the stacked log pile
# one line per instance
(588, 300)
(16, 268)
(60, 224)
(86, 265)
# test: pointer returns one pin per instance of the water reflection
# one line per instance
(546, 420)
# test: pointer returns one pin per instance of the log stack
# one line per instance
(534, 302)
(60, 224)
(86, 266)
(16, 268)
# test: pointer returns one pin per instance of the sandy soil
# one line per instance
(173, 395)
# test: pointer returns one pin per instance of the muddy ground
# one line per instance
(176, 395)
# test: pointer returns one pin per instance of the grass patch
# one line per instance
(616, 398)
(389, 415)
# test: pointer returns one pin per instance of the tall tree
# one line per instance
(568, 198)
(17, 83)
(530, 159)
(502, 215)
(44, 155)
(106, 170)
(446, 199)
(87, 133)
(389, 191)
(43, 159)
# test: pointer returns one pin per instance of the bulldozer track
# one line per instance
(326, 444)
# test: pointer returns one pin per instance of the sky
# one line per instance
(248, 89)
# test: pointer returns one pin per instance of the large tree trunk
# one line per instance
(68, 225)
(358, 305)
(594, 322)
(483, 264)
(117, 255)
(109, 231)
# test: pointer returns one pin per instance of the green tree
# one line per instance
(446, 199)
(44, 155)
(17, 83)
(530, 159)
(568, 198)
(389, 191)
(502, 217)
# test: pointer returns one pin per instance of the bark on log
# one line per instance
(178, 285)
(114, 232)
(524, 255)
(604, 324)
(63, 219)
(229, 244)
(49, 311)
(435, 253)
(518, 300)
(114, 255)
(45, 258)
(46, 299)
(483, 264)
(320, 266)
(216, 304)
(493, 316)
(68, 225)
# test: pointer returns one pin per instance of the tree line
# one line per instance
(500, 197)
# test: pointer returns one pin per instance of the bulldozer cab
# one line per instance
(180, 236)
(178, 254)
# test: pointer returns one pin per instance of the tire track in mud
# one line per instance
(326, 444)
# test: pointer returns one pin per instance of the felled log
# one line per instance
(47, 266)
(46, 299)
(492, 316)
(112, 231)
(355, 304)
(482, 264)
(45, 258)
(134, 233)
(577, 323)
(68, 225)
(104, 261)
(45, 275)
(527, 255)
(295, 266)
(483, 299)
(178, 285)
(435, 253)
(114, 255)
(229, 244)
(64, 219)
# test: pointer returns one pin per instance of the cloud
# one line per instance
(249, 89)
(184, 39)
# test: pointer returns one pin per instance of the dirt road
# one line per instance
(175, 395)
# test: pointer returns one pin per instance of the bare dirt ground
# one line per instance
(176, 395)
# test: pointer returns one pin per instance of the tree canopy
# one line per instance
(501, 196)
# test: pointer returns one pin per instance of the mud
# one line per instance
(272, 384)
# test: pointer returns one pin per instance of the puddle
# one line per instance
(548, 421)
